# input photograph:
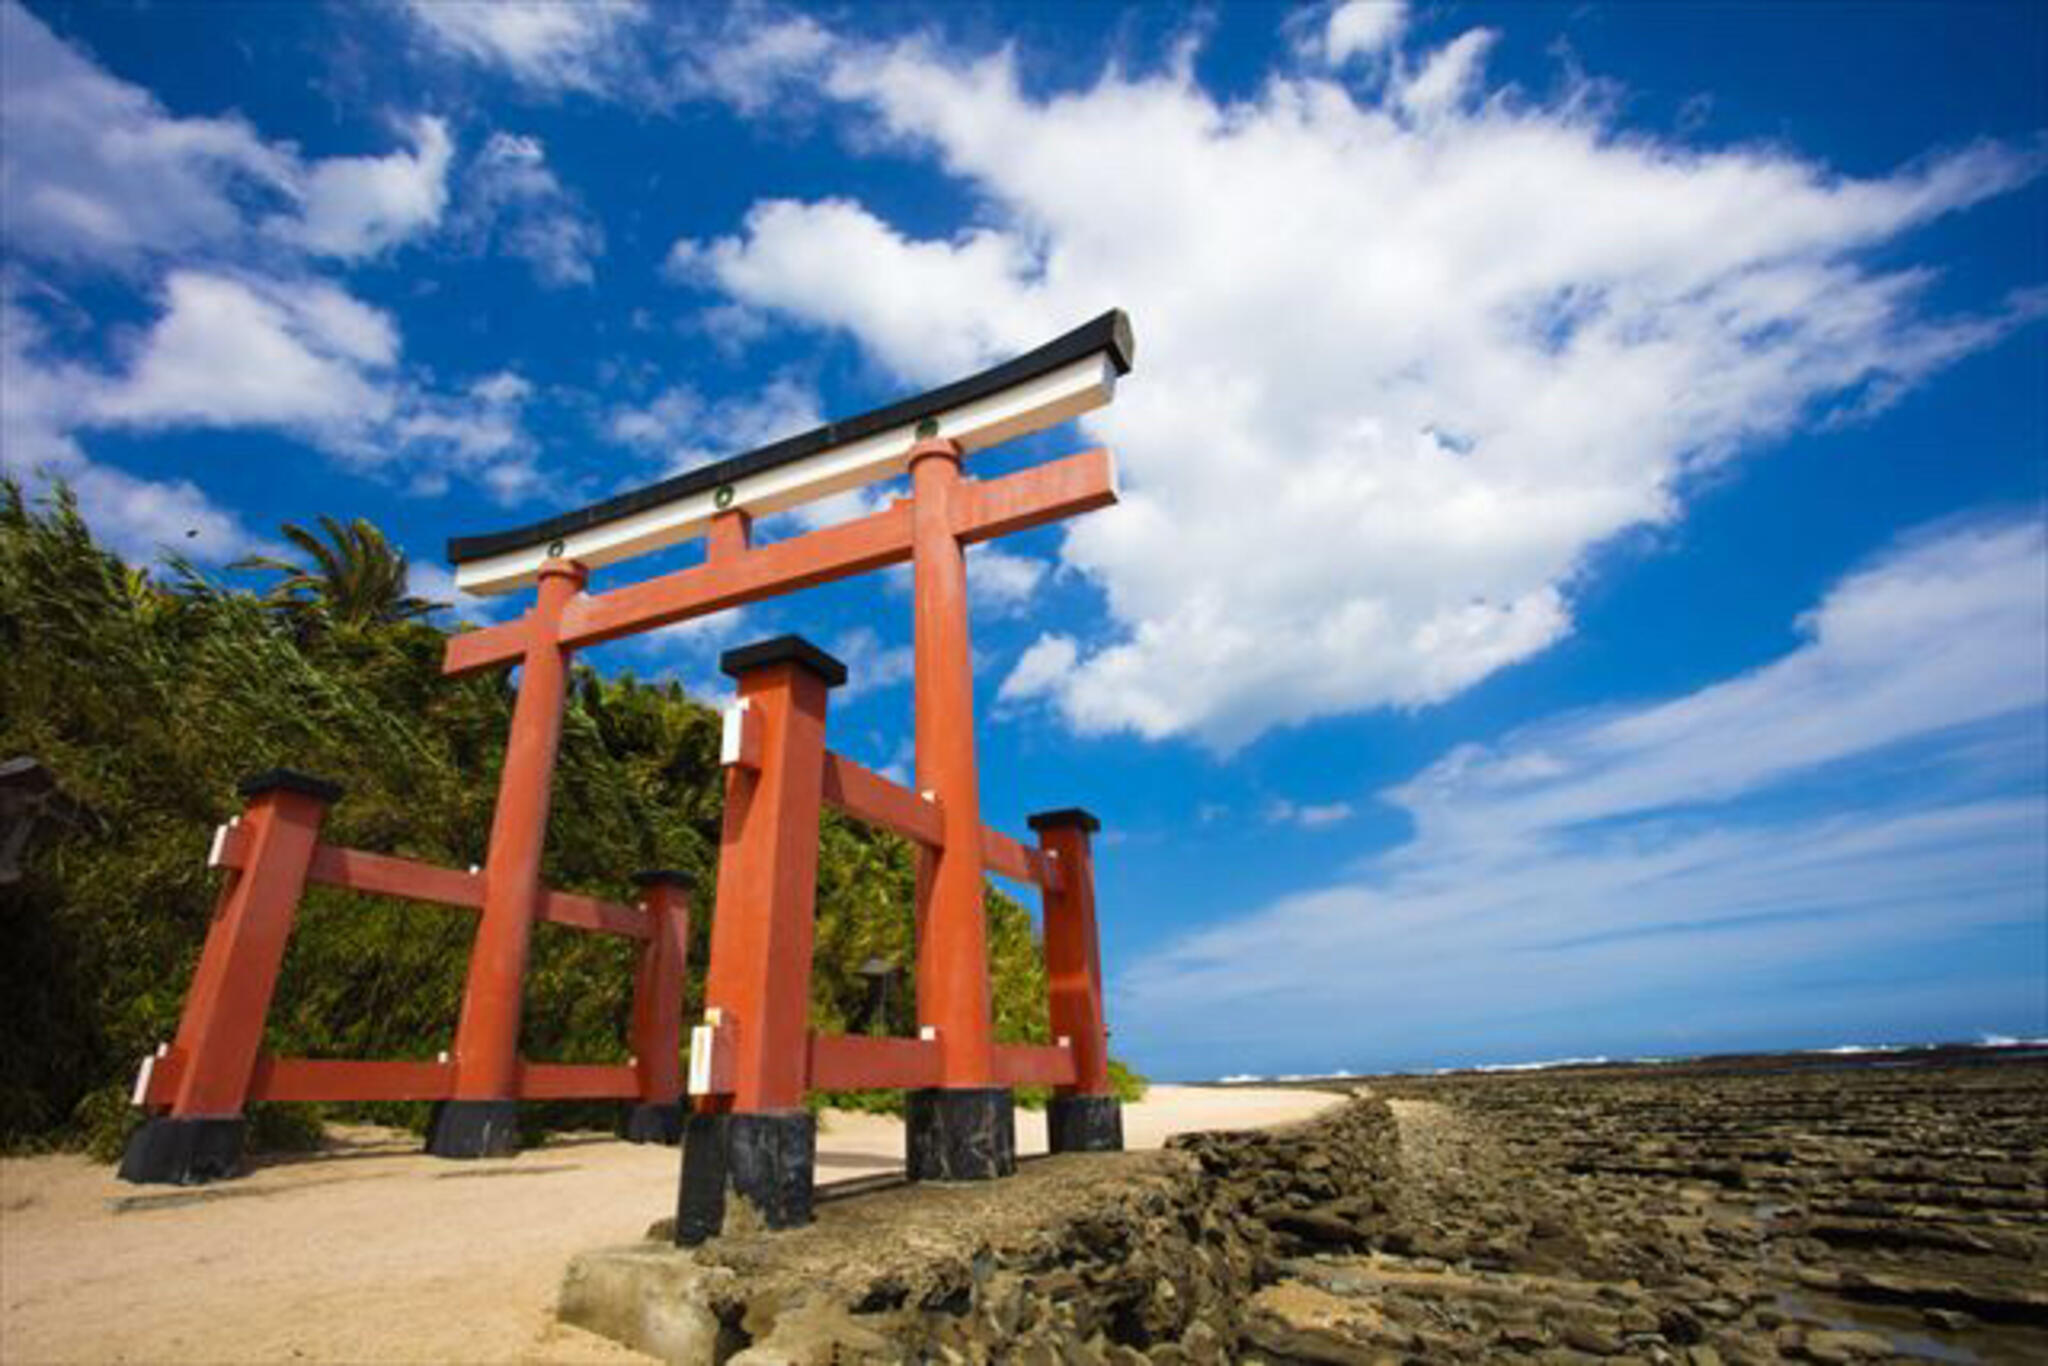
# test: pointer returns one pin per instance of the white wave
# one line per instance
(1543, 1066)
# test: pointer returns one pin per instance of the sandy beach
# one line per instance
(369, 1251)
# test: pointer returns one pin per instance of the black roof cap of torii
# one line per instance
(1110, 332)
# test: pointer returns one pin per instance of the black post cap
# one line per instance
(289, 780)
(783, 650)
(1066, 818)
(661, 877)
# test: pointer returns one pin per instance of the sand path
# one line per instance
(369, 1251)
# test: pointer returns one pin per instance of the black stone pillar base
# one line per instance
(474, 1128)
(647, 1123)
(767, 1159)
(1085, 1124)
(960, 1134)
(182, 1152)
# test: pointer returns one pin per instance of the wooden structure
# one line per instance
(194, 1089)
(754, 1055)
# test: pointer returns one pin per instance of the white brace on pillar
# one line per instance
(739, 738)
(703, 1039)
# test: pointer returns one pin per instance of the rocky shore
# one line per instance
(1713, 1214)
(1656, 1216)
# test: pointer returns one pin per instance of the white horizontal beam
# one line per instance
(1034, 405)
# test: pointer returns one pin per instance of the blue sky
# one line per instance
(1581, 585)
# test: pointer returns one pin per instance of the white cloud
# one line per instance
(40, 402)
(358, 206)
(1877, 787)
(298, 356)
(542, 43)
(1363, 28)
(1043, 669)
(1449, 76)
(228, 351)
(688, 651)
(39, 396)
(685, 430)
(1371, 439)
(141, 518)
(480, 433)
(1309, 816)
(835, 264)
(424, 579)
(692, 641)
(872, 665)
(513, 199)
(1947, 632)
(222, 224)
(999, 582)
(750, 64)
(93, 169)
(759, 63)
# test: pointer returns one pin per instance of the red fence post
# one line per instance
(964, 1128)
(483, 1118)
(1084, 1117)
(221, 1030)
(658, 1009)
(758, 1140)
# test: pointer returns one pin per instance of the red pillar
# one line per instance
(962, 1129)
(658, 1008)
(756, 1139)
(952, 955)
(482, 1119)
(1083, 1117)
(221, 1030)
(758, 982)
(729, 534)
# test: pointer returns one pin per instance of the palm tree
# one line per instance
(354, 576)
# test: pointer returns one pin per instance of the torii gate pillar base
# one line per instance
(647, 1123)
(767, 1158)
(960, 1133)
(182, 1152)
(1085, 1124)
(474, 1128)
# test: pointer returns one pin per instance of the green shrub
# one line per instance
(101, 1122)
(284, 1127)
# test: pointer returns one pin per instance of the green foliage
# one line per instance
(1126, 1084)
(149, 695)
(100, 1124)
(284, 1128)
(355, 577)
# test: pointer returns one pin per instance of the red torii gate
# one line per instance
(754, 1055)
